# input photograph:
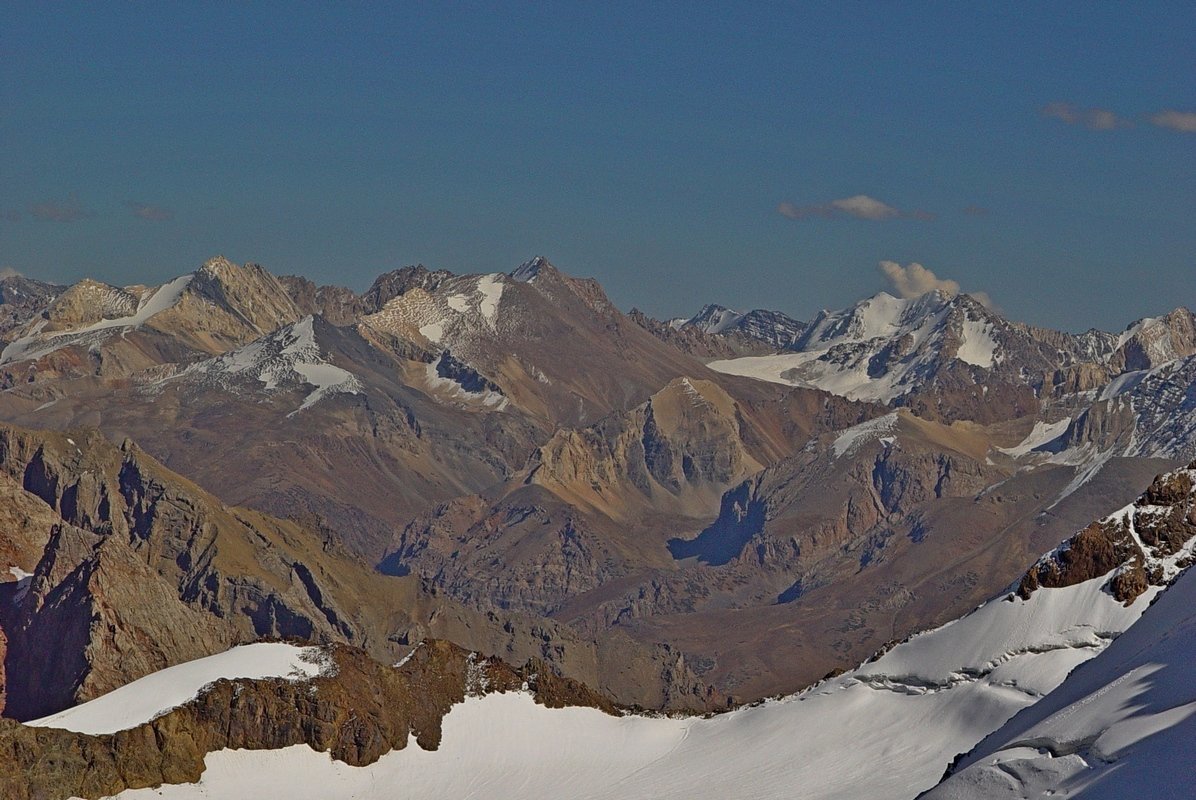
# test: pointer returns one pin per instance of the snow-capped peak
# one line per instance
(714, 318)
(529, 270)
(288, 356)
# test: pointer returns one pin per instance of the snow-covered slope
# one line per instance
(887, 729)
(158, 692)
(1122, 725)
(848, 737)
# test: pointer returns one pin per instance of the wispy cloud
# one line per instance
(150, 213)
(859, 206)
(1096, 119)
(915, 280)
(69, 210)
(975, 211)
(10, 215)
(1182, 121)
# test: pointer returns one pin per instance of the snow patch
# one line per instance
(289, 355)
(491, 287)
(159, 692)
(433, 331)
(162, 298)
(856, 436)
(978, 346)
(1043, 433)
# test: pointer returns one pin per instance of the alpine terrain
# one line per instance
(488, 535)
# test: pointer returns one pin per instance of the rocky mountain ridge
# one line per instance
(514, 443)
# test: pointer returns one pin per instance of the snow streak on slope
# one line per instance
(35, 344)
(162, 298)
(1122, 725)
(157, 693)
(287, 356)
(848, 737)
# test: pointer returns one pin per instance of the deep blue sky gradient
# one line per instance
(648, 145)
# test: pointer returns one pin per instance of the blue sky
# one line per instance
(755, 155)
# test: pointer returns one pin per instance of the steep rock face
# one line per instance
(555, 345)
(881, 483)
(1154, 341)
(1156, 411)
(398, 282)
(225, 305)
(135, 568)
(767, 331)
(686, 439)
(338, 305)
(133, 577)
(357, 711)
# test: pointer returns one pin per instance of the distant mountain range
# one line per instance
(684, 515)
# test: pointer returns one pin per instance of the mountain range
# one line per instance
(685, 516)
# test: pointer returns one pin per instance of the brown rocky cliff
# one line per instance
(357, 711)
(141, 570)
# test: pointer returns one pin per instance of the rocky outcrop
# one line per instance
(21, 299)
(357, 710)
(88, 302)
(1143, 545)
(337, 304)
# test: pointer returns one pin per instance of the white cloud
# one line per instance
(1182, 121)
(859, 206)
